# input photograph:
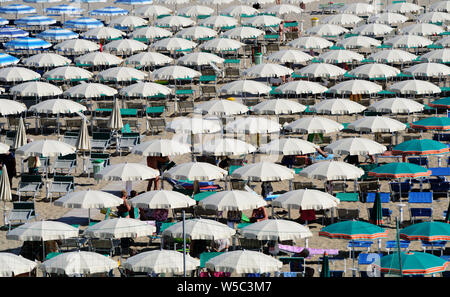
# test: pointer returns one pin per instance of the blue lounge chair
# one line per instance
(420, 198)
(385, 198)
(392, 245)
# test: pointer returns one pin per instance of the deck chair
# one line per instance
(251, 244)
(22, 212)
(359, 244)
(422, 161)
(368, 186)
(385, 198)
(10, 137)
(333, 271)
(65, 163)
(100, 141)
(71, 137)
(128, 141)
(346, 213)
(61, 184)
(303, 185)
(420, 198)
(399, 190)
(110, 246)
(440, 188)
(73, 124)
(208, 91)
(156, 125)
(296, 264)
(434, 246)
(29, 184)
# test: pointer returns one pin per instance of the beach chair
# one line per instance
(391, 245)
(61, 184)
(354, 245)
(420, 198)
(385, 198)
(399, 190)
(434, 245)
(10, 137)
(29, 184)
(346, 213)
(100, 141)
(422, 161)
(22, 212)
(71, 137)
(303, 185)
(206, 256)
(49, 123)
(297, 265)
(128, 141)
(251, 244)
(73, 124)
(110, 246)
(208, 91)
(155, 111)
(65, 163)
(440, 188)
(368, 186)
(333, 271)
(156, 125)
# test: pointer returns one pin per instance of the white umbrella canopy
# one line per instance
(396, 105)
(10, 107)
(342, 19)
(76, 46)
(121, 74)
(127, 172)
(160, 261)
(152, 10)
(78, 263)
(173, 43)
(144, 90)
(239, 87)
(88, 199)
(403, 7)
(355, 146)
(243, 261)
(174, 21)
(221, 108)
(252, 125)
(289, 56)
(372, 29)
(326, 30)
(355, 86)
(323, 70)
(267, 70)
(148, 59)
(414, 87)
(98, 59)
(196, 32)
(283, 9)
(57, 106)
(392, 56)
(21, 136)
(46, 60)
(428, 70)
(243, 33)
(200, 229)
(162, 199)
(358, 42)
(68, 73)
(200, 59)
(90, 90)
(16, 74)
(273, 229)
(35, 89)
(119, 228)
(263, 171)
(337, 107)
(358, 8)
(150, 33)
(340, 56)
(445, 42)
(288, 147)
(42, 231)
(45, 148)
(433, 17)
(387, 18)
(125, 46)
(226, 147)
(161, 148)
(422, 29)
(12, 265)
(310, 42)
(408, 41)
(262, 21)
(374, 70)
(103, 33)
(306, 199)
(239, 10)
(332, 170)
(221, 44)
(195, 171)
(437, 56)
(194, 125)
(4, 148)
(278, 106)
(440, 6)
(218, 22)
(129, 21)
(195, 10)
(175, 72)
(373, 124)
(314, 125)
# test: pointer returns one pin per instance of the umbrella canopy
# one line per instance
(358, 42)
(194, 125)
(337, 106)
(195, 10)
(412, 263)
(403, 7)
(42, 231)
(68, 73)
(161, 148)
(355, 86)
(45, 148)
(372, 29)
(115, 120)
(396, 105)
(21, 136)
(289, 147)
(173, 44)
(57, 106)
(392, 56)
(78, 262)
(35, 20)
(340, 56)
(399, 169)
(221, 108)
(121, 74)
(83, 23)
(355, 146)
(262, 21)
(125, 46)
(432, 123)
(98, 59)
(232, 201)
(5, 188)
(174, 21)
(374, 70)
(46, 60)
(437, 56)
(353, 230)
(428, 70)
(148, 59)
(226, 147)
(321, 70)
(90, 90)
(358, 8)
(332, 170)
(310, 42)
(263, 171)
(239, 10)
(221, 44)
(162, 199)
(219, 21)
(127, 172)
(441, 103)
(239, 87)
(195, 171)
(408, 41)
(283, 9)
(306, 199)
(175, 72)
(426, 231)
(103, 33)
(244, 262)
(374, 124)
(314, 125)
(144, 90)
(128, 22)
(289, 56)
(422, 29)
(17, 9)
(63, 9)
(200, 229)
(342, 19)
(57, 34)
(420, 147)
(152, 10)
(109, 11)
(88, 199)
(6, 59)
(253, 125)
(197, 32)
(160, 261)
(440, 6)
(27, 43)
(415, 87)
(149, 33)
(12, 265)
(326, 30)
(11, 32)
(243, 33)
(35, 89)
(11, 107)
(200, 59)
(278, 106)
(272, 229)
(119, 228)
(387, 18)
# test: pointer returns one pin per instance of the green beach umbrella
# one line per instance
(432, 123)
(441, 103)
(411, 263)
(426, 231)
(399, 169)
(420, 147)
(376, 214)
(447, 216)
(325, 272)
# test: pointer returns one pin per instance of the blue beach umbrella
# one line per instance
(3, 21)
(12, 32)
(27, 43)
(42, 2)
(63, 9)
(89, 2)
(83, 23)
(6, 60)
(109, 11)
(17, 9)
(134, 2)
(57, 34)
(35, 20)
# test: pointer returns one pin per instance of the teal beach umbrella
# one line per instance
(426, 231)
(376, 214)
(325, 271)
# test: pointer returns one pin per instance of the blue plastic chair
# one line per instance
(384, 196)
(420, 198)
(392, 244)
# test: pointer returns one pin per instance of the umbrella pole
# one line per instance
(184, 245)
(398, 247)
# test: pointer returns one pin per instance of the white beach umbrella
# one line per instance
(46, 60)
(326, 30)
(374, 124)
(263, 171)
(357, 8)
(162, 199)
(68, 73)
(437, 56)
(98, 59)
(76, 46)
(83, 143)
(444, 42)
(11, 107)
(148, 59)
(226, 147)
(115, 120)
(433, 17)
(374, 70)
(244, 261)
(173, 43)
(358, 42)
(175, 72)
(5, 187)
(342, 19)
(144, 90)
(239, 10)
(35, 89)
(150, 32)
(267, 70)
(195, 171)
(332, 170)
(387, 18)
(153, 10)
(129, 21)
(221, 44)
(408, 41)
(323, 70)
(373, 29)
(218, 22)
(103, 33)
(278, 106)
(160, 261)
(262, 21)
(200, 229)
(21, 136)
(78, 263)
(273, 229)
(428, 70)
(283, 9)
(392, 56)
(244, 86)
(57, 106)
(440, 6)
(310, 42)
(221, 108)
(121, 74)
(355, 86)
(194, 125)
(195, 10)
(199, 59)
(18, 74)
(45, 148)
(403, 7)
(306, 199)
(261, 2)
(127, 172)
(288, 147)
(355, 146)
(253, 125)
(42, 231)
(232, 201)
(337, 107)
(289, 56)
(160, 148)
(243, 33)
(422, 29)
(340, 56)
(196, 32)
(88, 199)
(125, 46)
(396, 105)
(415, 87)
(314, 125)
(90, 90)
(174, 21)
(119, 228)
(13, 265)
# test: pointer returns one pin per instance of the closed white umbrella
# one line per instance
(340, 56)
(323, 70)
(337, 107)
(175, 72)
(83, 142)
(46, 60)
(373, 124)
(288, 147)
(332, 170)
(148, 59)
(278, 106)
(18, 74)
(90, 90)
(76, 46)
(226, 147)
(342, 19)
(42, 231)
(218, 22)
(221, 108)
(403, 7)
(125, 46)
(355, 146)
(195, 171)
(428, 70)
(387, 18)
(306, 199)
(392, 56)
(45, 148)
(415, 87)
(244, 261)
(119, 228)
(115, 121)
(160, 261)
(243, 33)
(396, 105)
(358, 42)
(161, 147)
(239, 87)
(194, 125)
(200, 229)
(68, 73)
(289, 56)
(408, 41)
(196, 32)
(78, 263)
(149, 33)
(144, 90)
(121, 74)
(10, 107)
(310, 42)
(373, 29)
(374, 70)
(199, 59)
(326, 30)
(35, 89)
(57, 106)
(267, 70)
(221, 44)
(437, 56)
(263, 171)
(355, 86)
(314, 125)
(13, 265)
(98, 59)
(21, 136)
(127, 172)
(173, 43)
(162, 199)
(252, 125)
(174, 21)
(273, 229)
(5, 187)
